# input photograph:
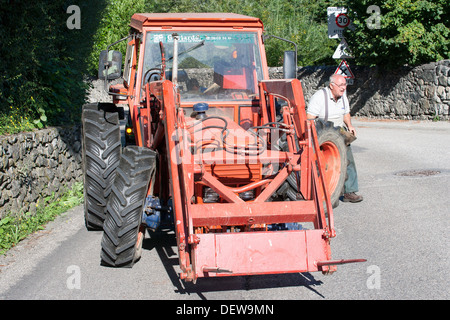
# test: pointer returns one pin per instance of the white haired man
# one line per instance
(331, 104)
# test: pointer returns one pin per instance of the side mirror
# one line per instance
(110, 65)
(290, 65)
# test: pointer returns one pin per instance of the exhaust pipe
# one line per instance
(175, 60)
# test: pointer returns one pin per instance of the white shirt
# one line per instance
(336, 109)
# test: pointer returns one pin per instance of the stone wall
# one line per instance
(420, 93)
(35, 165)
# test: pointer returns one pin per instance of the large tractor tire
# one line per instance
(334, 152)
(122, 234)
(101, 155)
(333, 149)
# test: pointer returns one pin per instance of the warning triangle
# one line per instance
(344, 70)
(343, 51)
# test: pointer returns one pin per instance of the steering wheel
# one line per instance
(149, 74)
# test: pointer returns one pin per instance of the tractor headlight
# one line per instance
(247, 195)
(209, 195)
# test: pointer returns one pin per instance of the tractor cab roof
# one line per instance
(168, 20)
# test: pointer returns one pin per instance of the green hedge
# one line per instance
(407, 32)
(43, 63)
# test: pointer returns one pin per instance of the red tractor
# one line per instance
(219, 152)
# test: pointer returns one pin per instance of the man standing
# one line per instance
(331, 104)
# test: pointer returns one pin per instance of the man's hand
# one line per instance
(348, 123)
(351, 129)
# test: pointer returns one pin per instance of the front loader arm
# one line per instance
(169, 130)
(174, 143)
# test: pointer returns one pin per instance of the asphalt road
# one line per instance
(401, 228)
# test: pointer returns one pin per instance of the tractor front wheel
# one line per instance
(123, 236)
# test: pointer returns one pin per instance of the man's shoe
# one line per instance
(352, 197)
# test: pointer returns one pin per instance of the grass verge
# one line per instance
(14, 228)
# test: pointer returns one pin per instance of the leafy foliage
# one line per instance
(302, 22)
(43, 62)
(412, 31)
(113, 25)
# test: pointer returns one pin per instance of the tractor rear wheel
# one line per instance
(101, 155)
(334, 154)
(122, 233)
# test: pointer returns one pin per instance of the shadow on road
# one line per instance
(165, 245)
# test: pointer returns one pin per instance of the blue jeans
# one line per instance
(351, 183)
